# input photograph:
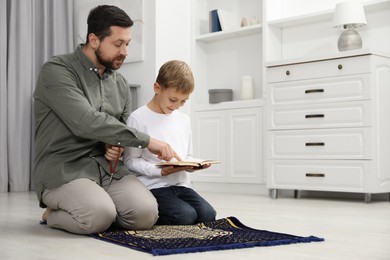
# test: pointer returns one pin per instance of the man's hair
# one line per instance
(102, 17)
(176, 74)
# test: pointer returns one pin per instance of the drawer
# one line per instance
(339, 175)
(347, 88)
(320, 69)
(341, 114)
(345, 143)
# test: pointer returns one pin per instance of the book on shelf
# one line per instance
(193, 162)
(215, 25)
(226, 20)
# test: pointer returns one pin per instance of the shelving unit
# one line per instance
(221, 59)
(228, 131)
(293, 31)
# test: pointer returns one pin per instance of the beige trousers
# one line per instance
(84, 207)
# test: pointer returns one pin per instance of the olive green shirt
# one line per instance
(76, 114)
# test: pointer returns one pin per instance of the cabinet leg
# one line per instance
(274, 193)
(367, 197)
(297, 194)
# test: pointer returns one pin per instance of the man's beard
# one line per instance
(109, 64)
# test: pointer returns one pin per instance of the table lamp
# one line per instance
(349, 16)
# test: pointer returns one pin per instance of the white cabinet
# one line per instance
(327, 124)
(231, 133)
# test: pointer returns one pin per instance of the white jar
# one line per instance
(247, 87)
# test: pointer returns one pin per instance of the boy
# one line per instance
(178, 203)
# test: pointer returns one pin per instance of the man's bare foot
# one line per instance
(46, 214)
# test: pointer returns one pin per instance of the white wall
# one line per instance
(173, 34)
(279, 9)
(318, 37)
(143, 73)
(166, 37)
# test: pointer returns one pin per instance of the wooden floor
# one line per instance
(352, 230)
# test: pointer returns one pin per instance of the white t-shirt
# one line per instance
(174, 129)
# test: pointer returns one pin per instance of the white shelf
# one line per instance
(216, 36)
(324, 15)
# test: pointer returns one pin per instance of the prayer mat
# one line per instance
(221, 234)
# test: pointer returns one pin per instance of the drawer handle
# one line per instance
(287, 72)
(315, 116)
(340, 67)
(315, 144)
(320, 90)
(312, 174)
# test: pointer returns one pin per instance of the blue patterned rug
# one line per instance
(226, 233)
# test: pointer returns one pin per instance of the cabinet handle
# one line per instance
(308, 91)
(315, 174)
(315, 116)
(287, 72)
(340, 67)
(315, 144)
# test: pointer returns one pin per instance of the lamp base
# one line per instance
(349, 40)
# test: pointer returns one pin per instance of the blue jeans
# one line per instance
(182, 206)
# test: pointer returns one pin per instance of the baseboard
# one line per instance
(334, 195)
(237, 188)
(261, 189)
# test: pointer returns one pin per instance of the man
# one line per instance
(81, 107)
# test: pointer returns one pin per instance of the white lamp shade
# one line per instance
(349, 13)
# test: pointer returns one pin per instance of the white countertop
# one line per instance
(229, 105)
(328, 56)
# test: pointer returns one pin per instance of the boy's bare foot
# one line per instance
(46, 214)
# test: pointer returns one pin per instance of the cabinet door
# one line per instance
(245, 139)
(233, 136)
(209, 135)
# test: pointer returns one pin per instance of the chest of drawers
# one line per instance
(328, 127)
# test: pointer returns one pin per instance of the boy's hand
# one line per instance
(167, 170)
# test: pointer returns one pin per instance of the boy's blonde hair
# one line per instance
(176, 74)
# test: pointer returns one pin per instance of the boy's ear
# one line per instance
(156, 87)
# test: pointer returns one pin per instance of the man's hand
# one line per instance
(113, 152)
(163, 150)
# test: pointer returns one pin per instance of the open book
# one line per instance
(194, 162)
